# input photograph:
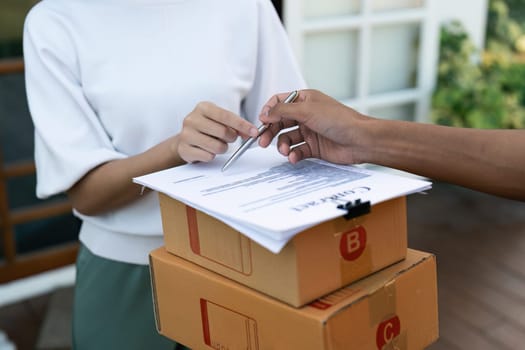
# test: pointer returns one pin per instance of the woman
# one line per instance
(121, 88)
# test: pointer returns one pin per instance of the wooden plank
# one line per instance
(480, 265)
(7, 232)
(460, 306)
(442, 344)
(479, 242)
(462, 336)
(9, 66)
(19, 168)
(32, 263)
(507, 334)
(39, 211)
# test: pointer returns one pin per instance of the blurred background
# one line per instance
(459, 63)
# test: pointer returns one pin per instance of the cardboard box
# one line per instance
(315, 262)
(395, 308)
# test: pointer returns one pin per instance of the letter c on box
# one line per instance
(387, 331)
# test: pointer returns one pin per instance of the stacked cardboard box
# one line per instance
(344, 284)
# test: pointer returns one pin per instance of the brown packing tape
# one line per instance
(398, 343)
(349, 269)
(382, 304)
(341, 224)
(215, 236)
(355, 255)
(384, 319)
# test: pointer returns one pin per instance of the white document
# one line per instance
(268, 199)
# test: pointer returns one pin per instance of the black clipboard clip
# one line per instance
(355, 209)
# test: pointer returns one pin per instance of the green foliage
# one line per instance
(487, 92)
(502, 30)
(517, 10)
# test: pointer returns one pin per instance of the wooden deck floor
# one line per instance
(479, 241)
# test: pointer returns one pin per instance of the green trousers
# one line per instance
(113, 307)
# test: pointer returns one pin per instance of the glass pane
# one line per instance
(394, 57)
(398, 112)
(386, 5)
(46, 233)
(330, 61)
(324, 8)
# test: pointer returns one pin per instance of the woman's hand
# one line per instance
(208, 129)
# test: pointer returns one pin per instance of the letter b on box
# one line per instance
(353, 243)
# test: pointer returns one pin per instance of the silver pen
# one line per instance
(249, 141)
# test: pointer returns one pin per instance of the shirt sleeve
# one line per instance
(276, 68)
(69, 137)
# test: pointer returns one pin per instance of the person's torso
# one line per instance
(145, 64)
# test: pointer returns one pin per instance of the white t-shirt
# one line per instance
(108, 79)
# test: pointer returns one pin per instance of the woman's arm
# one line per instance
(206, 132)
(110, 186)
(491, 161)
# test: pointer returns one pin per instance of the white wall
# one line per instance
(471, 13)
